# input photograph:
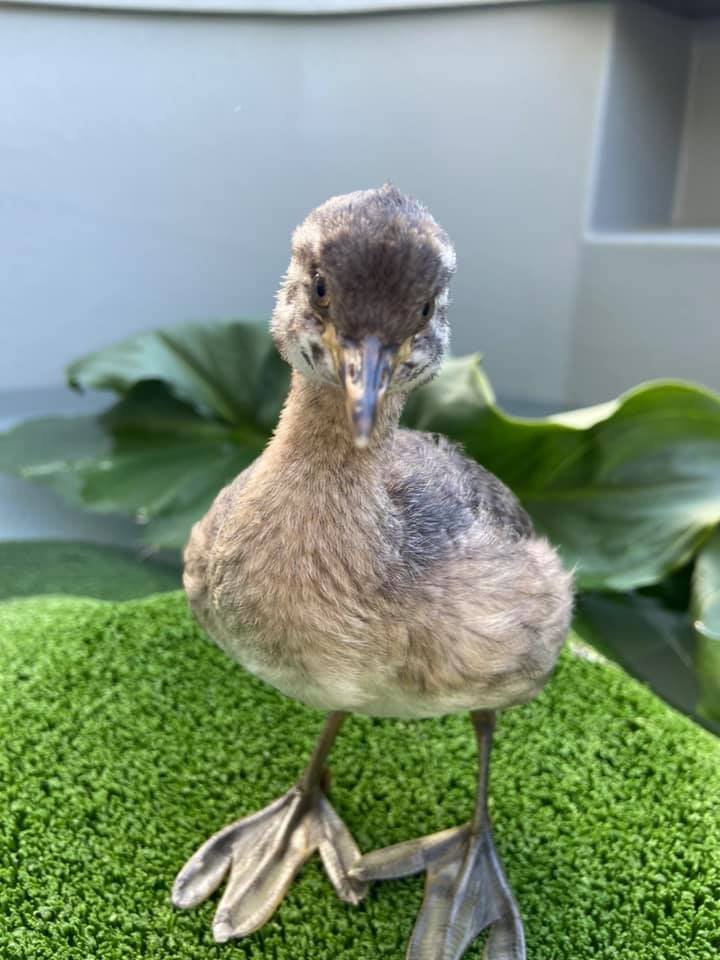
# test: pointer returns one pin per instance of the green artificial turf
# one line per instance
(126, 739)
(78, 569)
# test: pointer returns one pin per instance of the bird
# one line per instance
(363, 568)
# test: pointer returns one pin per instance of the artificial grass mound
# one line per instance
(78, 569)
(126, 739)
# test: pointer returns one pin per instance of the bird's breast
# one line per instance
(304, 585)
(297, 577)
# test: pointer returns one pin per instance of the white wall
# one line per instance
(698, 197)
(647, 307)
(641, 128)
(153, 166)
(648, 280)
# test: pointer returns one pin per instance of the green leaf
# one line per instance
(674, 591)
(628, 490)
(172, 528)
(649, 640)
(51, 451)
(165, 461)
(149, 456)
(149, 483)
(228, 370)
(706, 613)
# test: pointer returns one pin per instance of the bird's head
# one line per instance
(363, 305)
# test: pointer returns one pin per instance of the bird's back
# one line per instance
(441, 495)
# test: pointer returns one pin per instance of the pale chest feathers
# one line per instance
(310, 594)
(300, 561)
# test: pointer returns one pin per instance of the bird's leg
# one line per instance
(466, 890)
(263, 852)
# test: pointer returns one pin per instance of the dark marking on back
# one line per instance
(440, 493)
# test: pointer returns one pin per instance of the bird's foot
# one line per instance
(262, 854)
(465, 891)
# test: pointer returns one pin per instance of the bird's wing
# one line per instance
(198, 550)
(441, 493)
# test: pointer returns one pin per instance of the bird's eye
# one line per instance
(320, 295)
(427, 309)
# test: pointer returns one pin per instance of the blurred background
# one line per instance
(156, 154)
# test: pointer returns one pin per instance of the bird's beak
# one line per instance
(365, 369)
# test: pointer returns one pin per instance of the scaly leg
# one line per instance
(262, 853)
(465, 886)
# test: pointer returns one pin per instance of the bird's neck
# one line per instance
(314, 434)
(315, 519)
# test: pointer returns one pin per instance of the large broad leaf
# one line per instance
(227, 370)
(629, 490)
(706, 612)
(52, 450)
(166, 462)
(197, 405)
(150, 456)
(649, 640)
(674, 591)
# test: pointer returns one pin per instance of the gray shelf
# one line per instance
(659, 144)
(696, 9)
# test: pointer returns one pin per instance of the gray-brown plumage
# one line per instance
(363, 568)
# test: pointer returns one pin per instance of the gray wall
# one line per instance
(648, 306)
(648, 281)
(658, 161)
(154, 166)
(698, 196)
(643, 116)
